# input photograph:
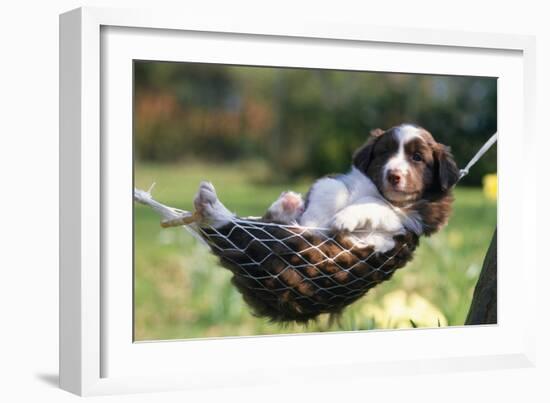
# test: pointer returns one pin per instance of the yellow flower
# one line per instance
(399, 308)
(490, 186)
(455, 238)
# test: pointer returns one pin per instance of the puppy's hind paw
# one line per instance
(205, 198)
(209, 206)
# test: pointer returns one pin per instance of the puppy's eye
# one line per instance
(417, 157)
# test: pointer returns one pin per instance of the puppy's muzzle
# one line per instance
(395, 177)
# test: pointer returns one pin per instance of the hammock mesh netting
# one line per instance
(292, 273)
(289, 272)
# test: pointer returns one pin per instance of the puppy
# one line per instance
(400, 180)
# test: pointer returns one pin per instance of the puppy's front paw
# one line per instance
(344, 222)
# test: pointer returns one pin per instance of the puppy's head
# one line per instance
(407, 164)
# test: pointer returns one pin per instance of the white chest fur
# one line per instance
(352, 203)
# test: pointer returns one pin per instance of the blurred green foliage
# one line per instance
(303, 122)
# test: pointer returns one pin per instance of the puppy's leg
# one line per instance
(369, 213)
(326, 197)
(210, 207)
(286, 209)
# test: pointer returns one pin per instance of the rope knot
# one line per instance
(462, 173)
(479, 154)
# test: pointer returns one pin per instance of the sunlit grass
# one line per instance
(180, 291)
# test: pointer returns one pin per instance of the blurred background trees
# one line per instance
(302, 122)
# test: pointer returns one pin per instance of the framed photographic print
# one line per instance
(327, 194)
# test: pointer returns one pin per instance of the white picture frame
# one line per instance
(97, 353)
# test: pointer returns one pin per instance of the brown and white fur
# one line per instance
(400, 181)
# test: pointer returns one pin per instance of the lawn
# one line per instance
(181, 292)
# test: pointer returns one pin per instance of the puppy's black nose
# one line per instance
(394, 177)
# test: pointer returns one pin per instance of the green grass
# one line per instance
(180, 291)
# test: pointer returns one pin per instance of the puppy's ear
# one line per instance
(447, 171)
(362, 157)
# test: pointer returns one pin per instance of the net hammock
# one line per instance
(291, 272)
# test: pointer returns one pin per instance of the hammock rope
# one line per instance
(480, 153)
(292, 272)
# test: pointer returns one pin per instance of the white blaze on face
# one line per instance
(398, 162)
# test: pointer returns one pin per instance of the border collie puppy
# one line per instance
(400, 180)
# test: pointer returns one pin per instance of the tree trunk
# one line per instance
(483, 309)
